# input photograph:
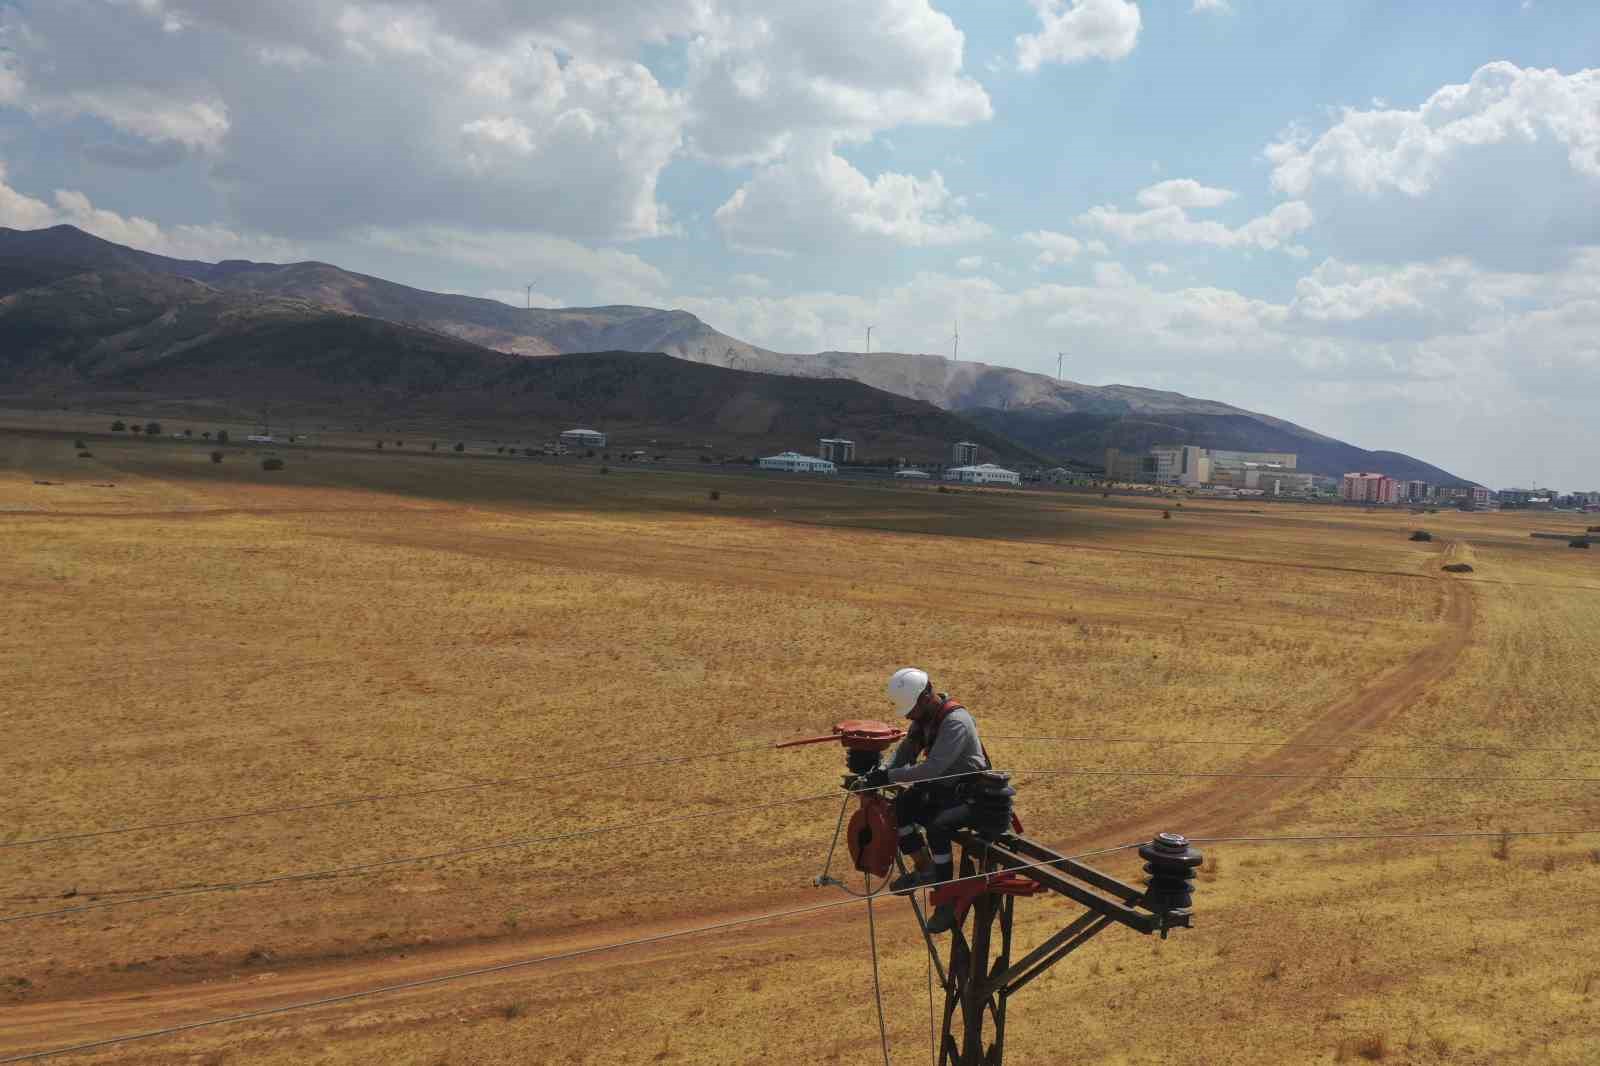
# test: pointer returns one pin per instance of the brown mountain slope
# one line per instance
(156, 339)
(1061, 418)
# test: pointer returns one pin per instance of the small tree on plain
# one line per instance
(378, 444)
(460, 446)
(222, 436)
(216, 457)
(272, 464)
(118, 426)
(434, 446)
(206, 435)
(79, 444)
(152, 428)
(136, 428)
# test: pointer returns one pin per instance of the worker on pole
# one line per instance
(953, 787)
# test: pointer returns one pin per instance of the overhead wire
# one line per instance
(455, 853)
(1306, 745)
(379, 797)
(508, 782)
(655, 938)
(426, 982)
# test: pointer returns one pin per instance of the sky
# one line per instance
(1378, 220)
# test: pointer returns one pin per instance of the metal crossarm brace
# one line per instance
(977, 988)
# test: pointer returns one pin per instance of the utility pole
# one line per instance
(983, 965)
(869, 340)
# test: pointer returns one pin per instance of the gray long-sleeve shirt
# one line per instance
(956, 750)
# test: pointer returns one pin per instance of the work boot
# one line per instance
(922, 874)
(943, 918)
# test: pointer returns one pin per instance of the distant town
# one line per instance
(1200, 471)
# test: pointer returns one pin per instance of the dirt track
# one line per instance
(33, 1026)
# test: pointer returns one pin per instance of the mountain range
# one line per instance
(79, 314)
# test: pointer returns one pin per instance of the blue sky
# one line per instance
(1378, 220)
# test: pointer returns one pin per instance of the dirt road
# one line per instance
(33, 1026)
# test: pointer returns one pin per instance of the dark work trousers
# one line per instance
(938, 810)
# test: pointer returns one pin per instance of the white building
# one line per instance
(795, 463)
(1182, 464)
(983, 474)
(837, 450)
(583, 438)
(915, 475)
(963, 453)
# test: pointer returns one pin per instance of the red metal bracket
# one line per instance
(963, 893)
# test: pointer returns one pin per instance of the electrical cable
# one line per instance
(364, 868)
(1336, 837)
(677, 933)
(454, 853)
(1354, 746)
(877, 985)
(426, 982)
(350, 801)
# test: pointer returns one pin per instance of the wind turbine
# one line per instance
(1061, 360)
(869, 340)
(530, 296)
(955, 343)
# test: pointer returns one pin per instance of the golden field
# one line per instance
(186, 639)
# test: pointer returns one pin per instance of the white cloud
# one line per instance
(1211, 7)
(1075, 30)
(1272, 231)
(1183, 192)
(1504, 168)
(969, 263)
(1158, 269)
(1054, 248)
(752, 282)
(189, 241)
(815, 200)
(621, 277)
(1110, 274)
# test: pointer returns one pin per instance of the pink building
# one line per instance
(1361, 488)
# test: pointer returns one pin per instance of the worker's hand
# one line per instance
(877, 777)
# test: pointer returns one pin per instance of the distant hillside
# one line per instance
(1086, 436)
(1062, 419)
(152, 338)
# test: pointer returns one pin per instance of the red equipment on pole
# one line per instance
(872, 833)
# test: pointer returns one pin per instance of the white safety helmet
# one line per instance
(906, 687)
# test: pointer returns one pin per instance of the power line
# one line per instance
(454, 853)
(350, 801)
(732, 923)
(427, 982)
(1355, 746)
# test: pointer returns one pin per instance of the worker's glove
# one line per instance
(877, 777)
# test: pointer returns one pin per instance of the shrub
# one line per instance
(500, 450)
(605, 470)
(433, 447)
(378, 444)
(1593, 529)
(1457, 568)
(460, 446)
(206, 435)
(715, 495)
(216, 457)
(118, 426)
(1166, 514)
(79, 444)
(1502, 846)
(152, 428)
(944, 488)
(1421, 534)
(188, 433)
(529, 452)
(222, 436)
(589, 454)
(136, 428)
(1578, 542)
(272, 464)
(86, 454)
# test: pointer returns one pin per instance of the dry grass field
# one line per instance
(184, 639)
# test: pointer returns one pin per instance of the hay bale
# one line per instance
(1421, 534)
